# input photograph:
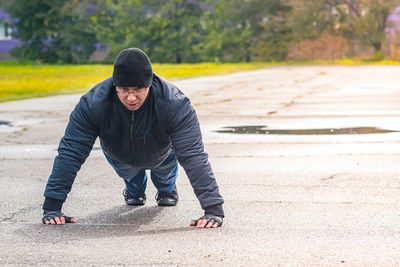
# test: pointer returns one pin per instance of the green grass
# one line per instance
(20, 81)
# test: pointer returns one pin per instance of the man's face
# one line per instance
(132, 97)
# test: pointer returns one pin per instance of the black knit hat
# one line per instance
(132, 68)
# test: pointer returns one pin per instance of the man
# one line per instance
(144, 123)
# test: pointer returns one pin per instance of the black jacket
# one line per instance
(142, 138)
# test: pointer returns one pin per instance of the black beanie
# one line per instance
(132, 68)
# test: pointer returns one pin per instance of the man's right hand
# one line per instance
(56, 217)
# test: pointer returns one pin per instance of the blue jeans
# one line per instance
(163, 176)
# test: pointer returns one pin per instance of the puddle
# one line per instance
(8, 123)
(264, 130)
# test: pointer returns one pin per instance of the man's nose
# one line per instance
(131, 96)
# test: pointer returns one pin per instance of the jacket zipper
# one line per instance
(132, 144)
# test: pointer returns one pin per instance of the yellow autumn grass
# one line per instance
(366, 62)
(26, 81)
(35, 80)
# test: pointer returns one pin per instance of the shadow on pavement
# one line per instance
(115, 222)
(119, 215)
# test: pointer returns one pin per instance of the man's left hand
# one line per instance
(207, 221)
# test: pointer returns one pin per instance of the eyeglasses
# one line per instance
(124, 91)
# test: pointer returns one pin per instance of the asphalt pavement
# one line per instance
(306, 157)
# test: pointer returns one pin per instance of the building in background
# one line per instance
(7, 42)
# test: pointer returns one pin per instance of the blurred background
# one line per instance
(52, 47)
(192, 31)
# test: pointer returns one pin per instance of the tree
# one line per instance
(166, 30)
(365, 21)
(5, 4)
(362, 21)
(275, 33)
(118, 24)
(173, 29)
(52, 30)
(310, 18)
(244, 30)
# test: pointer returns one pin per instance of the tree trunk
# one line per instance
(178, 58)
(248, 57)
(378, 50)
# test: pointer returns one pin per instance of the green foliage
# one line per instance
(366, 22)
(275, 33)
(5, 4)
(118, 24)
(362, 21)
(52, 30)
(166, 30)
(244, 30)
(190, 30)
(176, 24)
(310, 18)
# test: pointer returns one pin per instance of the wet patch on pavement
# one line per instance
(6, 126)
(7, 123)
(262, 129)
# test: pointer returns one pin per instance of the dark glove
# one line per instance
(210, 219)
(53, 214)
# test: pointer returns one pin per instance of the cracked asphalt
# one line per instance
(290, 199)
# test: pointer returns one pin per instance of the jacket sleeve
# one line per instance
(74, 148)
(188, 145)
